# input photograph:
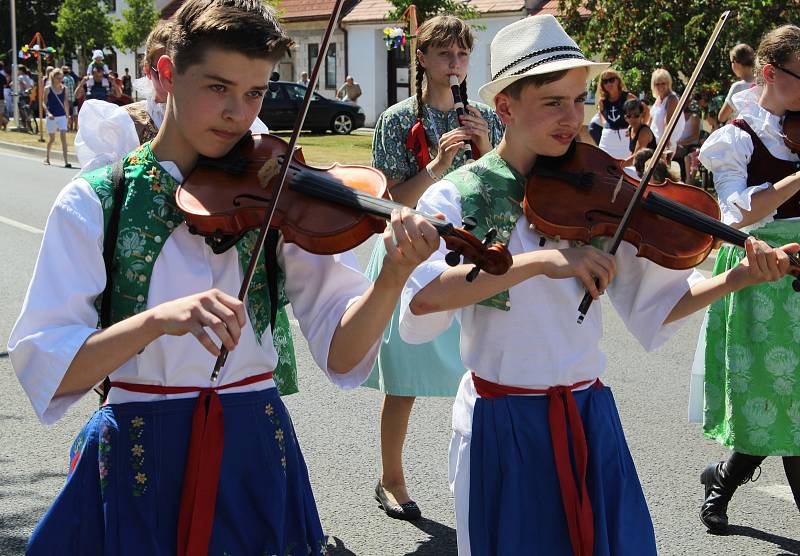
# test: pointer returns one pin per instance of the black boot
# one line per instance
(721, 480)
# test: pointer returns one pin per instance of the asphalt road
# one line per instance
(339, 431)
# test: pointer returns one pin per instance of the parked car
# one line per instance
(282, 103)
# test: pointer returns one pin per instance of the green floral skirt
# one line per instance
(752, 359)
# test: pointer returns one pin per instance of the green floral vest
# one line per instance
(491, 193)
(147, 218)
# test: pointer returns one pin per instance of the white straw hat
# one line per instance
(97, 54)
(534, 45)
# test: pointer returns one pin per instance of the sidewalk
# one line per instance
(40, 152)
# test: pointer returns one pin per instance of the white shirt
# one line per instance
(658, 121)
(728, 150)
(58, 314)
(537, 343)
(106, 132)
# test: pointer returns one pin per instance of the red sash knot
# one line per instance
(563, 417)
(203, 462)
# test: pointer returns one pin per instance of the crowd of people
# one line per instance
(174, 462)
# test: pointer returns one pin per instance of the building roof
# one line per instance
(376, 10)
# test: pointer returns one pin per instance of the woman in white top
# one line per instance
(664, 106)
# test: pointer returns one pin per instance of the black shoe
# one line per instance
(721, 480)
(408, 511)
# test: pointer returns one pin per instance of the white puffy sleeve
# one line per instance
(442, 198)
(105, 134)
(644, 294)
(726, 153)
(58, 313)
(320, 289)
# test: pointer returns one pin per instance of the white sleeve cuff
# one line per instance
(737, 201)
(419, 329)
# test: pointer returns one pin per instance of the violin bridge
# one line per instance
(269, 170)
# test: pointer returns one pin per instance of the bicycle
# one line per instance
(27, 119)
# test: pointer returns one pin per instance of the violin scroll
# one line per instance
(486, 255)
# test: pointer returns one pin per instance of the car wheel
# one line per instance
(342, 124)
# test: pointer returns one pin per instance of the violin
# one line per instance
(323, 210)
(791, 131)
(584, 194)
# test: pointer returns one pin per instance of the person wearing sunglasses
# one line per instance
(611, 96)
(639, 134)
(664, 106)
(745, 382)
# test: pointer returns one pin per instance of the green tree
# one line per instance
(638, 36)
(82, 25)
(429, 8)
(137, 22)
(32, 17)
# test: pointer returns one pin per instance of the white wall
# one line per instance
(367, 61)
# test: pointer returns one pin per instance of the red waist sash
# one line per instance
(562, 412)
(203, 463)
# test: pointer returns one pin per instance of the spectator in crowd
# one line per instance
(69, 84)
(611, 96)
(127, 83)
(97, 60)
(116, 87)
(664, 106)
(350, 91)
(97, 86)
(57, 107)
(639, 135)
(640, 160)
(303, 79)
(690, 138)
(7, 90)
(3, 87)
(743, 61)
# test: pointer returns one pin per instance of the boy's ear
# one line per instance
(165, 69)
(502, 108)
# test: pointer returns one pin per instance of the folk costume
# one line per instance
(144, 469)
(403, 145)
(538, 460)
(107, 132)
(748, 357)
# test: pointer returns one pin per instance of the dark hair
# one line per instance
(633, 104)
(641, 158)
(777, 48)
(248, 27)
(743, 54)
(515, 89)
(98, 67)
(441, 31)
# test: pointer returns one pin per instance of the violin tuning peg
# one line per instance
(473, 274)
(453, 258)
(796, 285)
(490, 237)
(469, 223)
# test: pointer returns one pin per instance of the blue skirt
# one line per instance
(515, 504)
(123, 491)
(401, 369)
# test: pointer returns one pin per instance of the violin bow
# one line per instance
(273, 204)
(662, 143)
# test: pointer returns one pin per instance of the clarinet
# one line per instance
(459, 104)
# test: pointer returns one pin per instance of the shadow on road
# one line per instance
(790, 546)
(337, 548)
(442, 541)
(16, 524)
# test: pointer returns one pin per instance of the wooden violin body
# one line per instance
(224, 197)
(585, 193)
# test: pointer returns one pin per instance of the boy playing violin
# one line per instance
(148, 473)
(538, 459)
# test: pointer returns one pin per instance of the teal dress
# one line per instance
(434, 368)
